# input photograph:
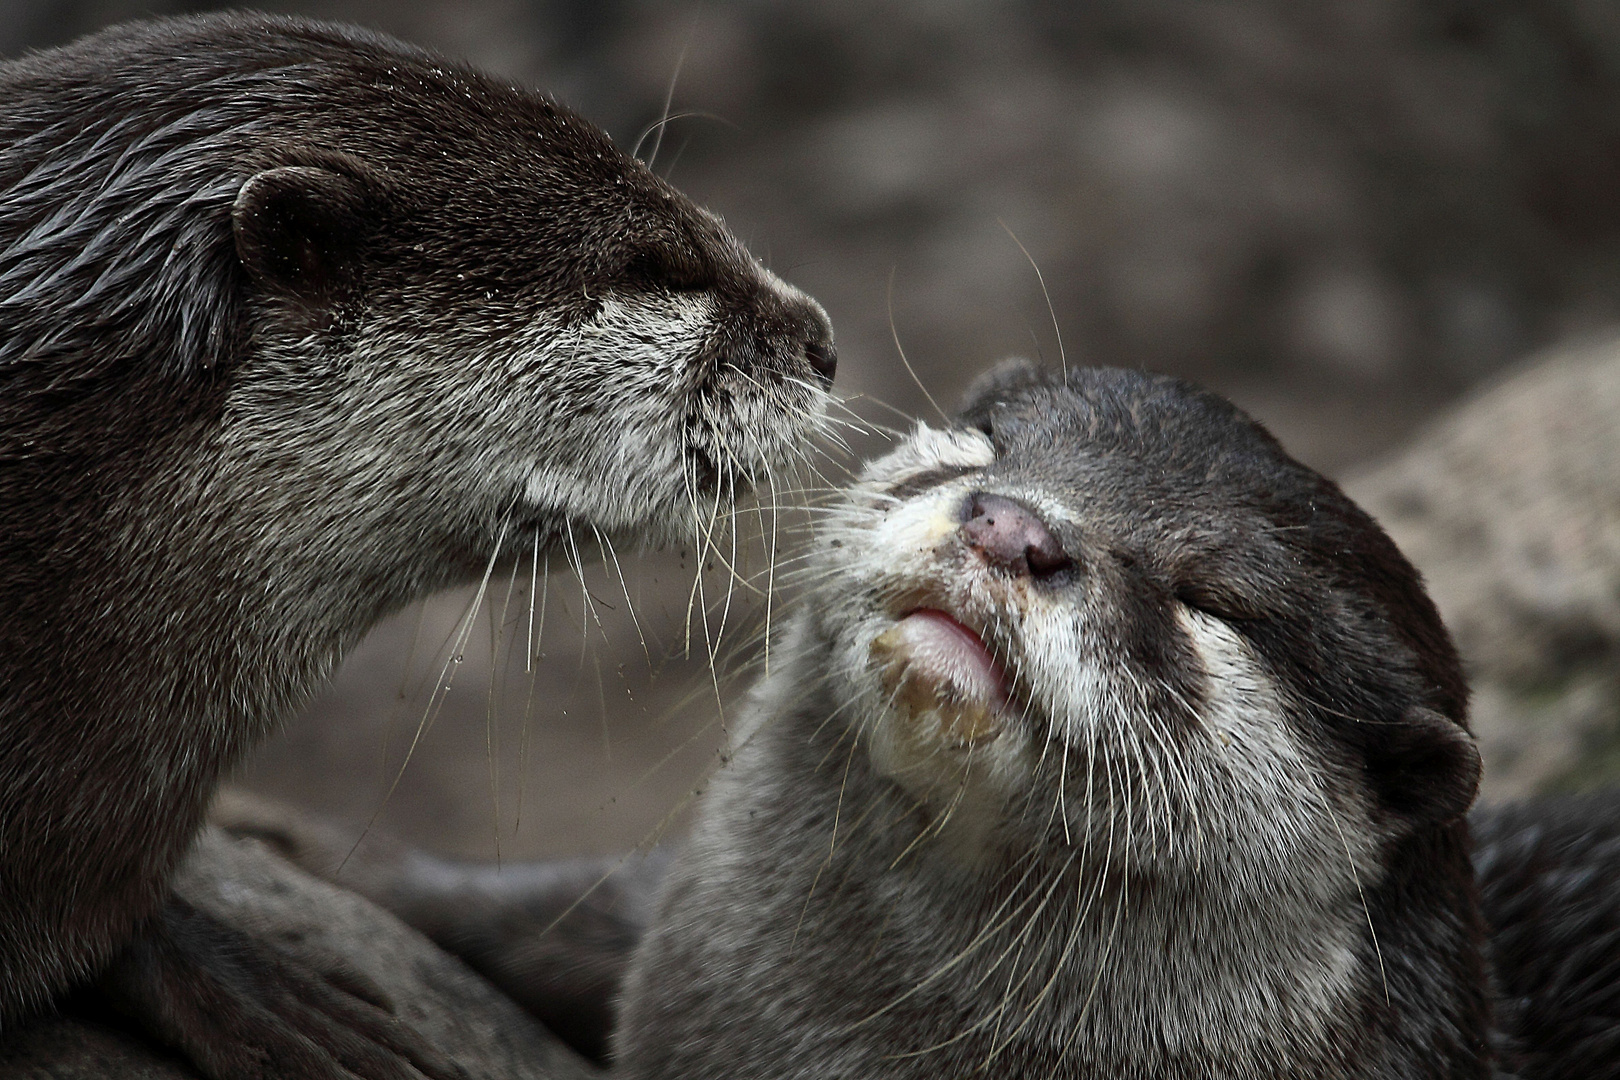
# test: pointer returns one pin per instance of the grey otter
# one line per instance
(1113, 742)
(916, 796)
(297, 324)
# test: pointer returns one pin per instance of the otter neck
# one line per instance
(214, 590)
(1141, 974)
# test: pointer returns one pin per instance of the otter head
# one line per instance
(1111, 742)
(516, 320)
(1106, 613)
(303, 323)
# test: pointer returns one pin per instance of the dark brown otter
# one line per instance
(297, 324)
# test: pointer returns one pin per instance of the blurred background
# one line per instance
(1342, 213)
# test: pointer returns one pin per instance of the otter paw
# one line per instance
(244, 1009)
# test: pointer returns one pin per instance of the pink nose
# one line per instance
(1012, 537)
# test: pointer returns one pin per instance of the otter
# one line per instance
(1112, 741)
(299, 323)
(1046, 493)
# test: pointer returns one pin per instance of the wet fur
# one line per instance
(298, 324)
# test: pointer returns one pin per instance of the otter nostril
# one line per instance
(823, 359)
(1012, 536)
(1047, 557)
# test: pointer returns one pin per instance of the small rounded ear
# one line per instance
(1427, 767)
(299, 228)
(981, 405)
(1013, 373)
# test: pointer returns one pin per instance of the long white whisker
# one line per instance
(895, 332)
(441, 689)
(1062, 356)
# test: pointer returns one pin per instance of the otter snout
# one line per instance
(807, 321)
(823, 358)
(1012, 537)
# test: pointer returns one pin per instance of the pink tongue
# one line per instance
(944, 650)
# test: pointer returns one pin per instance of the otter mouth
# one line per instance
(939, 672)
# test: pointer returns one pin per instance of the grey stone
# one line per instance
(244, 882)
(1510, 506)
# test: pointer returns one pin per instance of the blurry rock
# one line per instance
(554, 936)
(243, 882)
(1510, 506)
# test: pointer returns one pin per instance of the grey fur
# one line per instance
(1219, 834)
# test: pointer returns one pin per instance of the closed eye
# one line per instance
(671, 271)
(1217, 603)
(920, 482)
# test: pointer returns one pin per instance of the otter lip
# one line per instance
(946, 639)
(934, 665)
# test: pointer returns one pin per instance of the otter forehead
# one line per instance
(1145, 455)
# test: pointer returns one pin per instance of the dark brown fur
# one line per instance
(283, 316)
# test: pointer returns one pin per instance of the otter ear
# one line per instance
(981, 405)
(299, 228)
(1427, 768)
(1009, 375)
